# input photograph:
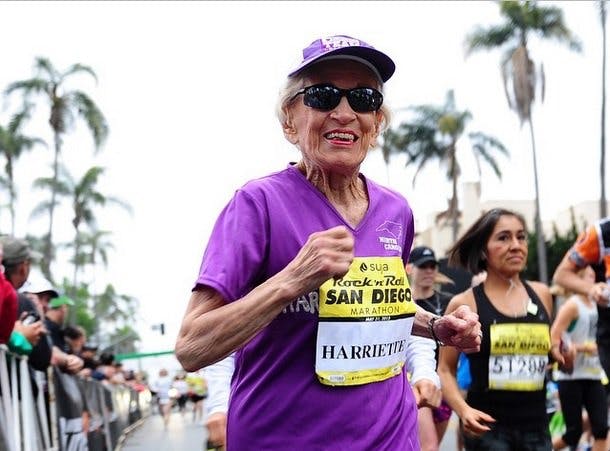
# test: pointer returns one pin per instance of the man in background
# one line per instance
(422, 270)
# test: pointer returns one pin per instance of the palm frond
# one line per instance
(41, 209)
(549, 23)
(31, 86)
(76, 68)
(44, 65)
(488, 38)
(95, 120)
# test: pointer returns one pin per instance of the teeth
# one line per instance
(342, 136)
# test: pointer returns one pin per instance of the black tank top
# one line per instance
(523, 409)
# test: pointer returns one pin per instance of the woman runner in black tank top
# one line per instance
(505, 407)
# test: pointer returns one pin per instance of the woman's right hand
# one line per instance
(325, 255)
(32, 332)
(476, 422)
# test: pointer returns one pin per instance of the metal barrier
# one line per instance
(27, 425)
(23, 419)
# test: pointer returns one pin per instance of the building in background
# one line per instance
(436, 232)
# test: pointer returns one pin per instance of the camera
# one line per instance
(31, 317)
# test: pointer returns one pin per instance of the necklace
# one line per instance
(524, 305)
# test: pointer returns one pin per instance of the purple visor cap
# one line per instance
(350, 48)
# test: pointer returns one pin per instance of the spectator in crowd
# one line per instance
(54, 320)
(106, 369)
(17, 260)
(88, 354)
(8, 305)
(75, 337)
(118, 377)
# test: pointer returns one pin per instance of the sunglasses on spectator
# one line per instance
(429, 265)
(326, 97)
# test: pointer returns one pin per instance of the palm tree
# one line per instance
(84, 196)
(12, 145)
(433, 134)
(89, 248)
(602, 165)
(95, 246)
(66, 105)
(123, 340)
(112, 307)
(519, 74)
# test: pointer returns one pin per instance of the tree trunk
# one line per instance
(541, 246)
(48, 248)
(454, 208)
(11, 191)
(602, 166)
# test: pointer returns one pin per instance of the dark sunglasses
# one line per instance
(326, 97)
(429, 265)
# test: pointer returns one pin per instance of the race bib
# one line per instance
(365, 321)
(518, 356)
(588, 364)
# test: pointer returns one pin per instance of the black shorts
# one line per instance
(197, 398)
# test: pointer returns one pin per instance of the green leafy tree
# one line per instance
(84, 197)
(13, 143)
(81, 313)
(519, 73)
(65, 106)
(123, 340)
(113, 309)
(93, 247)
(556, 248)
(432, 135)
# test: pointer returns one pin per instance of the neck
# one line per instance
(338, 187)
(422, 292)
(503, 280)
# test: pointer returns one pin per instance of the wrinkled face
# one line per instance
(507, 246)
(423, 276)
(336, 140)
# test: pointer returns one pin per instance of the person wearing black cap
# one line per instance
(423, 270)
(315, 299)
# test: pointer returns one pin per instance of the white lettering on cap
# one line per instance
(337, 42)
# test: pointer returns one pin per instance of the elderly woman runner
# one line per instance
(304, 278)
(505, 408)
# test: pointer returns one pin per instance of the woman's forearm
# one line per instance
(212, 329)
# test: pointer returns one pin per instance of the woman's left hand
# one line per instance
(427, 394)
(461, 329)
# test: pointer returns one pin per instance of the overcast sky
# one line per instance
(189, 92)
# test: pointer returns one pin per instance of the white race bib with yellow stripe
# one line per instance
(518, 356)
(365, 321)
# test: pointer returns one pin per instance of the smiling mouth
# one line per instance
(341, 136)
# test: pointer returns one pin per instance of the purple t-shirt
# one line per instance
(276, 400)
